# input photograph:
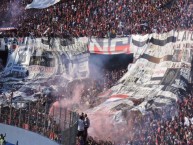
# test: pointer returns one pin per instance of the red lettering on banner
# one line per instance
(41, 69)
(110, 46)
(118, 50)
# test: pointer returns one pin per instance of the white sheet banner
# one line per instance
(41, 4)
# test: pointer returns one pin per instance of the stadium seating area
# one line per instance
(157, 130)
(38, 121)
(103, 18)
(99, 18)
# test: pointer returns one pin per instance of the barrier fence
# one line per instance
(60, 125)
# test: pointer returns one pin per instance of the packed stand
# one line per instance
(35, 117)
(169, 125)
(99, 18)
(163, 127)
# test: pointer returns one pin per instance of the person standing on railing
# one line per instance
(2, 139)
(80, 126)
(86, 126)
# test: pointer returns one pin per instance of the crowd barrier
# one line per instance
(59, 126)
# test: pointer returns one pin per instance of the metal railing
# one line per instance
(60, 125)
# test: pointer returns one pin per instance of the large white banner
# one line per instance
(43, 58)
(159, 74)
(163, 61)
(41, 4)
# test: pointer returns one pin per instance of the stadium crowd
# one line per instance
(102, 18)
(164, 127)
(34, 116)
(158, 130)
(99, 18)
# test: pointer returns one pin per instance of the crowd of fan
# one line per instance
(169, 126)
(33, 117)
(161, 128)
(175, 129)
(99, 18)
(103, 18)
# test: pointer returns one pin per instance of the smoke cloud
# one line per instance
(103, 124)
(105, 127)
(68, 102)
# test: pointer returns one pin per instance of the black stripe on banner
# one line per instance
(155, 59)
(139, 44)
(163, 42)
(167, 58)
(154, 41)
(156, 78)
(151, 58)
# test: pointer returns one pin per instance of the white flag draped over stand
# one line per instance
(41, 4)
